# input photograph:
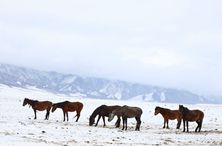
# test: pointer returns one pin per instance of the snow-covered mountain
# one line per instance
(92, 87)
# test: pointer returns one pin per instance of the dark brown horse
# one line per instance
(127, 112)
(39, 105)
(103, 111)
(67, 106)
(191, 115)
(169, 115)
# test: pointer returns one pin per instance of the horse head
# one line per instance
(111, 116)
(25, 101)
(91, 120)
(181, 108)
(54, 107)
(157, 110)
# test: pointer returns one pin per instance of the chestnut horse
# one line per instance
(191, 115)
(169, 115)
(39, 105)
(103, 111)
(127, 112)
(67, 106)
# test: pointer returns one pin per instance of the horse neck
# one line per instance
(162, 110)
(118, 112)
(97, 111)
(185, 111)
(31, 102)
(60, 105)
(109, 109)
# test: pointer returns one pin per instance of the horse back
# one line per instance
(106, 110)
(175, 114)
(74, 106)
(42, 105)
(195, 115)
(134, 110)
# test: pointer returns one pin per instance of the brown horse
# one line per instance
(169, 115)
(67, 106)
(39, 105)
(103, 111)
(127, 112)
(191, 115)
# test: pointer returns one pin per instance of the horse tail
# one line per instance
(201, 121)
(80, 107)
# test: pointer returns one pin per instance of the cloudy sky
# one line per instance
(168, 43)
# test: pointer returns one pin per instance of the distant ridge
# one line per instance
(91, 87)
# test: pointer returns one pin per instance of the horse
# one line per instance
(67, 106)
(39, 105)
(103, 111)
(169, 115)
(191, 115)
(127, 112)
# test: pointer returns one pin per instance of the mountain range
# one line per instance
(92, 87)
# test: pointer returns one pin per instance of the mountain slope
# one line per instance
(92, 87)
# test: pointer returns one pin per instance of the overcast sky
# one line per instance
(169, 43)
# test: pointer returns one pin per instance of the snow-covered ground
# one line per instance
(17, 126)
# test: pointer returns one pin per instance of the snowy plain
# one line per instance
(17, 126)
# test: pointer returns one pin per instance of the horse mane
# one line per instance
(185, 111)
(30, 101)
(61, 104)
(97, 110)
(162, 110)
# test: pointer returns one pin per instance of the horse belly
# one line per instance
(40, 107)
(71, 108)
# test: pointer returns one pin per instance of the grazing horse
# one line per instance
(39, 105)
(103, 111)
(169, 115)
(191, 115)
(127, 112)
(67, 106)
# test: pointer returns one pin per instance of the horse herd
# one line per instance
(122, 112)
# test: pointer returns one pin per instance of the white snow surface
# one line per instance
(17, 126)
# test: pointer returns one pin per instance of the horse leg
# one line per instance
(187, 126)
(64, 116)
(98, 120)
(126, 124)
(78, 115)
(184, 125)
(138, 123)
(35, 114)
(123, 123)
(178, 123)
(164, 123)
(118, 122)
(104, 123)
(167, 121)
(47, 114)
(200, 126)
(67, 116)
(77, 118)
